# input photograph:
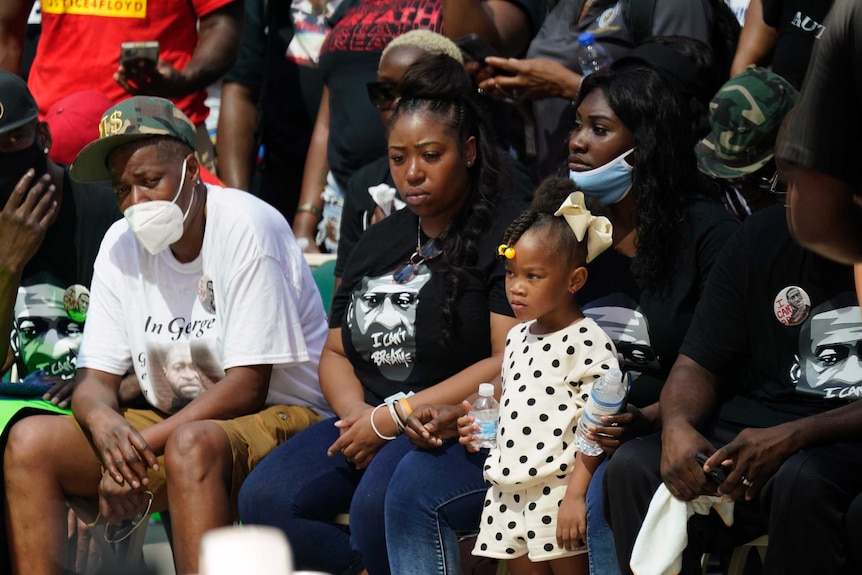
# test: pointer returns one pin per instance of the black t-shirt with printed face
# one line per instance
(780, 324)
(799, 23)
(393, 333)
(647, 326)
(45, 334)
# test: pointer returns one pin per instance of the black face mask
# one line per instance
(13, 166)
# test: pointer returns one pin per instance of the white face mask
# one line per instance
(159, 223)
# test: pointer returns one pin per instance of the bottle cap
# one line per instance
(586, 39)
(487, 389)
(614, 375)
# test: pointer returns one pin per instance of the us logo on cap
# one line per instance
(792, 305)
(2, 110)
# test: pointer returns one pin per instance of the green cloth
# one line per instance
(10, 407)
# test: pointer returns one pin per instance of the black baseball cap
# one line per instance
(17, 106)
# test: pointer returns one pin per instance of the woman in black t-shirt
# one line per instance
(421, 317)
(643, 292)
(632, 154)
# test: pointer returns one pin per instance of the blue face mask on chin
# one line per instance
(609, 183)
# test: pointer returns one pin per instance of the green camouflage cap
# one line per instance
(133, 119)
(744, 118)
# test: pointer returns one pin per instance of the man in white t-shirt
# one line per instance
(210, 269)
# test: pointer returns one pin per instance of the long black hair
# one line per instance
(440, 86)
(665, 176)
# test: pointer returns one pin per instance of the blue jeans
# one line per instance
(433, 494)
(600, 539)
(300, 489)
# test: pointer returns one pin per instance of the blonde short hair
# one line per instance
(427, 41)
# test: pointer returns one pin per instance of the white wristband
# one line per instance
(399, 425)
(374, 427)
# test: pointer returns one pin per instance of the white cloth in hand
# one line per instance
(664, 533)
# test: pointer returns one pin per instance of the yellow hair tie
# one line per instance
(506, 251)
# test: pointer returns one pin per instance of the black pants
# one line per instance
(279, 181)
(803, 508)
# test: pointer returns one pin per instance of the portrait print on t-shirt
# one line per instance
(382, 322)
(181, 371)
(44, 335)
(829, 362)
(621, 318)
(176, 353)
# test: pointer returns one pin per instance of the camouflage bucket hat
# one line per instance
(744, 118)
(133, 119)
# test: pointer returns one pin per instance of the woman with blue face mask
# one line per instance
(630, 151)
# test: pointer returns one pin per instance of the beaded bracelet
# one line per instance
(374, 427)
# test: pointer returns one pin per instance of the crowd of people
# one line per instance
(688, 215)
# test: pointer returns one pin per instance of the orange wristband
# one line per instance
(406, 407)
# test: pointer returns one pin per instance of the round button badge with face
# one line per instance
(76, 302)
(206, 295)
(792, 305)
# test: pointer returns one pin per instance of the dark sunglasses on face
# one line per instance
(429, 251)
(381, 94)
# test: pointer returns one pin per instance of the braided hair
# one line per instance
(552, 192)
(439, 86)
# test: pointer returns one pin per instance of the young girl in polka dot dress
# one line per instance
(535, 509)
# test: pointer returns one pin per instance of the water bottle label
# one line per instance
(487, 428)
(600, 405)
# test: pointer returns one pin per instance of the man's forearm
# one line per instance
(218, 43)
(237, 125)
(835, 426)
(462, 17)
(94, 395)
(8, 293)
(689, 394)
(756, 39)
(13, 23)
(502, 24)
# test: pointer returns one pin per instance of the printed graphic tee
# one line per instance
(248, 299)
(53, 295)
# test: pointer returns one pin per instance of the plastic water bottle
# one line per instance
(606, 398)
(591, 56)
(486, 415)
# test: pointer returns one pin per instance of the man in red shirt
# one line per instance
(79, 49)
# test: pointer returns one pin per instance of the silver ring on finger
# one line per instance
(747, 482)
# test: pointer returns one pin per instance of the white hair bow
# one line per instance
(598, 229)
